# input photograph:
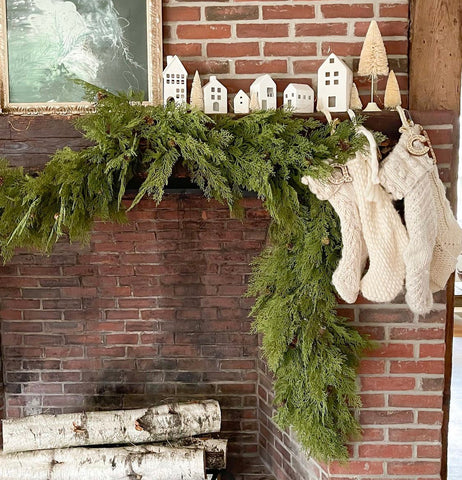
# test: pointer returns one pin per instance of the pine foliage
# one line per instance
(313, 352)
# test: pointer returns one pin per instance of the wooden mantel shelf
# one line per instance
(29, 141)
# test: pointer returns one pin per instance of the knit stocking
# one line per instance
(448, 239)
(341, 196)
(383, 231)
(407, 176)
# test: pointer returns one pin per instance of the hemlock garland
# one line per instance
(312, 351)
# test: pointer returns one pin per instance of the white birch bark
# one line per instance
(215, 450)
(155, 424)
(118, 463)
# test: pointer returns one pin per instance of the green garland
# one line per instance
(312, 351)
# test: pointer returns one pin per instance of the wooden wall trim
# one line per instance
(435, 57)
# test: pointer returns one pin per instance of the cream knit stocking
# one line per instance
(383, 231)
(448, 244)
(407, 176)
(340, 194)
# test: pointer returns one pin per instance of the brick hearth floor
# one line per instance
(455, 419)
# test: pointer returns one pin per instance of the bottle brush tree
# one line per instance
(197, 96)
(355, 101)
(254, 103)
(392, 94)
(373, 60)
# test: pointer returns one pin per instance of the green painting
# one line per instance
(53, 42)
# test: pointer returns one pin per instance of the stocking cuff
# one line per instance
(401, 170)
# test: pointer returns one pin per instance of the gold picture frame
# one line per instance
(154, 65)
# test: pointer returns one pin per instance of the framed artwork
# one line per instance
(46, 44)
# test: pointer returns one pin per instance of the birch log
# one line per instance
(118, 463)
(215, 450)
(155, 424)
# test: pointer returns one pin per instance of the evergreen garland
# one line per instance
(312, 351)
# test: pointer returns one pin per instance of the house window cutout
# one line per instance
(327, 82)
(327, 74)
(335, 82)
(331, 60)
(335, 74)
(269, 92)
(331, 102)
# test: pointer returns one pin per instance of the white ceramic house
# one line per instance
(215, 96)
(266, 91)
(174, 76)
(335, 79)
(299, 97)
(241, 102)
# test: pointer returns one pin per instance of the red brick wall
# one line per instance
(289, 39)
(151, 311)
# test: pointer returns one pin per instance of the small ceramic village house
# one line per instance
(335, 79)
(241, 102)
(174, 80)
(299, 97)
(215, 96)
(266, 91)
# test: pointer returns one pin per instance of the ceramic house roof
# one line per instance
(338, 62)
(174, 64)
(263, 79)
(300, 86)
(213, 82)
(241, 93)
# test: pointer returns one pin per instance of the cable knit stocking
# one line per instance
(383, 231)
(340, 194)
(448, 239)
(407, 176)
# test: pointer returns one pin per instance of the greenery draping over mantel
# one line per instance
(313, 352)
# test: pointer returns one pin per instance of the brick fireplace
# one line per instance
(152, 310)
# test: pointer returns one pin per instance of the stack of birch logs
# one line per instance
(57, 447)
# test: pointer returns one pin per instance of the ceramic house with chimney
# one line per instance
(241, 102)
(265, 88)
(299, 97)
(174, 80)
(215, 96)
(335, 79)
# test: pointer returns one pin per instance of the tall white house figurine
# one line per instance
(265, 89)
(174, 76)
(299, 97)
(241, 102)
(335, 79)
(215, 96)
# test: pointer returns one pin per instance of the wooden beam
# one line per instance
(435, 58)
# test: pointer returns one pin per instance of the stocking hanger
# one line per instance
(405, 116)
